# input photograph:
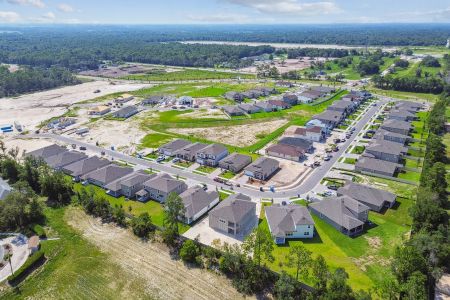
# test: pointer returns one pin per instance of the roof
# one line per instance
(175, 145)
(126, 110)
(297, 142)
(344, 104)
(47, 151)
(192, 148)
(401, 113)
(381, 133)
(195, 199)
(324, 89)
(366, 193)
(248, 107)
(264, 104)
(234, 208)
(288, 150)
(263, 164)
(5, 189)
(108, 173)
(385, 146)
(341, 210)
(128, 180)
(85, 166)
(236, 159)
(214, 149)
(329, 115)
(392, 123)
(64, 158)
(278, 103)
(164, 183)
(377, 165)
(233, 109)
(99, 108)
(284, 219)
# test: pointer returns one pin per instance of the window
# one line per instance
(306, 233)
(222, 221)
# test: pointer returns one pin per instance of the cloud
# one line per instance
(45, 18)
(438, 15)
(35, 3)
(289, 7)
(9, 17)
(220, 18)
(65, 8)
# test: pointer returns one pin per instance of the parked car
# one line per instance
(82, 148)
(97, 91)
(333, 187)
(328, 193)
(261, 189)
(317, 163)
(175, 160)
(160, 159)
(336, 149)
(326, 158)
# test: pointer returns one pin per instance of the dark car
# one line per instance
(82, 148)
(333, 187)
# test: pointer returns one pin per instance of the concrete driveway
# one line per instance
(20, 254)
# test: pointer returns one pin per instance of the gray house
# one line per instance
(262, 168)
(159, 187)
(106, 175)
(343, 106)
(374, 198)
(189, 152)
(126, 112)
(401, 115)
(305, 145)
(235, 215)
(330, 118)
(265, 106)
(376, 166)
(82, 167)
(397, 126)
(382, 134)
(249, 108)
(386, 150)
(235, 162)
(170, 148)
(211, 155)
(286, 152)
(410, 106)
(291, 99)
(197, 202)
(5, 189)
(128, 185)
(343, 213)
(63, 159)
(46, 152)
(233, 110)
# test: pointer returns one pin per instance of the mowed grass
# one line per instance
(75, 269)
(404, 95)
(154, 140)
(366, 257)
(189, 74)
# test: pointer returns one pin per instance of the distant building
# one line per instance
(126, 112)
(99, 110)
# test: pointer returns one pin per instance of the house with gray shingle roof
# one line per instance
(397, 126)
(47, 151)
(159, 187)
(128, 185)
(262, 168)
(197, 202)
(401, 115)
(190, 151)
(376, 166)
(303, 144)
(63, 159)
(410, 106)
(265, 106)
(344, 106)
(233, 110)
(235, 162)
(374, 198)
(286, 152)
(289, 222)
(126, 112)
(103, 176)
(170, 148)
(343, 213)
(249, 108)
(382, 134)
(82, 167)
(236, 215)
(5, 189)
(211, 155)
(330, 118)
(386, 150)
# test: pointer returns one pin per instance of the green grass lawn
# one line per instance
(189, 74)
(227, 174)
(349, 160)
(206, 169)
(416, 153)
(404, 95)
(409, 175)
(358, 149)
(412, 163)
(75, 269)
(365, 258)
(184, 163)
(155, 140)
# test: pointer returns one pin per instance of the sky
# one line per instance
(223, 11)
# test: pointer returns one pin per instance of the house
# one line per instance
(289, 222)
(33, 244)
(314, 133)
(235, 162)
(376, 166)
(375, 199)
(344, 106)
(343, 213)
(211, 155)
(309, 95)
(82, 167)
(303, 144)
(153, 100)
(304, 99)
(409, 106)
(291, 99)
(46, 152)
(382, 134)
(126, 112)
(262, 168)
(330, 118)
(103, 176)
(236, 215)
(286, 151)
(99, 110)
(317, 123)
(159, 187)
(5, 189)
(323, 89)
(170, 148)
(63, 159)
(315, 94)
(185, 100)
(197, 202)
(123, 99)
(386, 150)
(401, 115)
(234, 96)
(279, 105)
(284, 84)
(265, 106)
(189, 152)
(397, 126)
(128, 185)
(233, 110)
(61, 123)
(249, 108)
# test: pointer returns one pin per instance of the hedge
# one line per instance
(35, 258)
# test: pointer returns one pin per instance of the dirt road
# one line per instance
(166, 278)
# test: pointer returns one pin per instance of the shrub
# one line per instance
(189, 251)
(35, 258)
(39, 230)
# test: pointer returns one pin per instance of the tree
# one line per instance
(320, 276)
(427, 213)
(286, 287)
(300, 259)
(436, 181)
(388, 287)
(30, 173)
(142, 225)
(10, 169)
(407, 260)
(55, 186)
(189, 251)
(338, 288)
(8, 257)
(174, 211)
(260, 244)
(118, 215)
(414, 288)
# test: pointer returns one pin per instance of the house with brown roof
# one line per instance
(99, 110)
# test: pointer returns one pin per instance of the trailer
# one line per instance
(6, 128)
(18, 126)
(82, 131)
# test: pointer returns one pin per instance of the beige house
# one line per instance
(99, 110)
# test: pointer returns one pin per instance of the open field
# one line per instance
(289, 64)
(188, 74)
(404, 95)
(414, 65)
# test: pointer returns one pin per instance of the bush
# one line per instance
(39, 230)
(34, 259)
(189, 251)
(142, 225)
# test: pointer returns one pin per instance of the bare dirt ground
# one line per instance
(206, 113)
(31, 109)
(240, 135)
(26, 145)
(165, 277)
(125, 70)
(288, 65)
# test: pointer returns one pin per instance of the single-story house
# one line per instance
(99, 110)
(343, 213)
(235, 162)
(374, 198)
(123, 99)
(233, 110)
(285, 84)
(170, 148)
(265, 106)
(262, 168)
(189, 152)
(61, 123)
(159, 188)
(236, 215)
(303, 144)
(103, 176)
(401, 115)
(289, 222)
(286, 151)
(82, 167)
(234, 96)
(126, 112)
(249, 108)
(211, 155)
(343, 106)
(185, 100)
(330, 118)
(5, 189)
(410, 106)
(197, 202)
(309, 95)
(382, 134)
(386, 150)
(279, 105)
(397, 126)
(376, 166)
(46, 152)
(63, 159)
(304, 99)
(291, 99)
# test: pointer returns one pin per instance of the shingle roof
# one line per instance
(47, 151)
(297, 142)
(214, 149)
(126, 110)
(175, 145)
(341, 104)
(195, 199)
(249, 107)
(381, 133)
(285, 149)
(233, 109)
(263, 164)
(392, 123)
(164, 183)
(64, 158)
(86, 165)
(284, 219)
(385, 146)
(129, 180)
(236, 159)
(234, 208)
(192, 148)
(108, 174)
(329, 115)
(377, 165)
(366, 193)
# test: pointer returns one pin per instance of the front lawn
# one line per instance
(358, 149)
(206, 169)
(350, 161)
(184, 163)
(227, 174)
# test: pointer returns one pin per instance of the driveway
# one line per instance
(20, 254)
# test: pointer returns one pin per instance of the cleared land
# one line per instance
(188, 74)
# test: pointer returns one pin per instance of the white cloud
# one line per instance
(35, 3)
(438, 15)
(45, 18)
(220, 18)
(9, 17)
(65, 8)
(289, 7)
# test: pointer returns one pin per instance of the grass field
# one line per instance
(206, 169)
(410, 175)
(405, 95)
(227, 174)
(189, 74)
(154, 140)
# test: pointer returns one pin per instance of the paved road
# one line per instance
(302, 188)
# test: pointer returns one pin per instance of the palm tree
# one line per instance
(8, 258)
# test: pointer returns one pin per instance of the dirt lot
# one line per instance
(26, 145)
(288, 64)
(165, 277)
(31, 109)
(121, 71)
(240, 136)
